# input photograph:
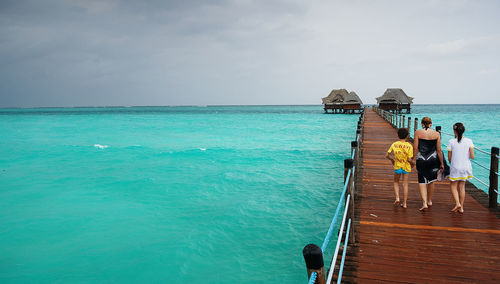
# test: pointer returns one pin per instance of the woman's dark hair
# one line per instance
(426, 121)
(402, 133)
(460, 129)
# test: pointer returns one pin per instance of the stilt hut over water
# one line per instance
(342, 101)
(395, 100)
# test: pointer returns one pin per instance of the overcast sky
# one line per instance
(128, 52)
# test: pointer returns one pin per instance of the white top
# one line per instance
(460, 166)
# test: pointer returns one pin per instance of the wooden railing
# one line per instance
(313, 254)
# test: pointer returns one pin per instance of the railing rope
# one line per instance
(475, 147)
(480, 181)
(482, 151)
(339, 240)
(480, 165)
(341, 270)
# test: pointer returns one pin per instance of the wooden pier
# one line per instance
(393, 244)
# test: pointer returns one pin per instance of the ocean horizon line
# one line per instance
(215, 105)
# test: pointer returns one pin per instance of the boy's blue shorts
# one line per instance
(400, 171)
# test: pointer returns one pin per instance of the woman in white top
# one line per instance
(460, 151)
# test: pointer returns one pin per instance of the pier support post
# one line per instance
(409, 123)
(404, 120)
(438, 129)
(314, 262)
(493, 190)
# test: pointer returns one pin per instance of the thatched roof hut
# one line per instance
(341, 96)
(395, 96)
(395, 100)
(340, 100)
(336, 96)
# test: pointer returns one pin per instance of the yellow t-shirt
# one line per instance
(402, 151)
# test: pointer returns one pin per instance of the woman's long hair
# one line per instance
(460, 129)
(426, 121)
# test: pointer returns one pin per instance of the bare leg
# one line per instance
(461, 188)
(430, 193)
(454, 192)
(423, 192)
(405, 190)
(396, 188)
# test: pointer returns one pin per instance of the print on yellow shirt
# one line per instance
(402, 151)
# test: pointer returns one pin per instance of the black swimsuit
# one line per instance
(427, 161)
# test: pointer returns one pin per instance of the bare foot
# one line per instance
(461, 210)
(429, 203)
(396, 203)
(423, 208)
(403, 205)
(457, 207)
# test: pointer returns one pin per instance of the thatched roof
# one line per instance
(353, 98)
(341, 96)
(397, 96)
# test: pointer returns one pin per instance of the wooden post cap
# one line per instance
(354, 144)
(313, 256)
(358, 131)
(348, 163)
(438, 128)
(495, 150)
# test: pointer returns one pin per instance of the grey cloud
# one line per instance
(235, 52)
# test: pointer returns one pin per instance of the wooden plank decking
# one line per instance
(405, 245)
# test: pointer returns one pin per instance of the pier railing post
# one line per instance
(314, 262)
(415, 126)
(404, 120)
(409, 123)
(355, 150)
(438, 129)
(493, 190)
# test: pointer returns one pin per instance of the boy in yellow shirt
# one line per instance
(403, 162)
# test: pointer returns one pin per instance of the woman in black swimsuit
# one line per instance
(429, 160)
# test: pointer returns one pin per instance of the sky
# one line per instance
(240, 52)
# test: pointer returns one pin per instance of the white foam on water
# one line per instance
(101, 146)
(203, 149)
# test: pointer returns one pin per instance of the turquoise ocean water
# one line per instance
(178, 194)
